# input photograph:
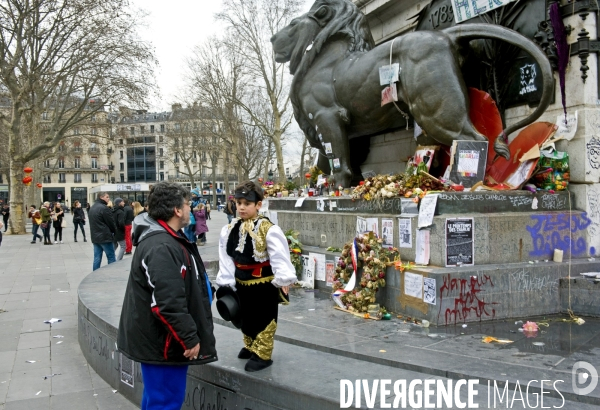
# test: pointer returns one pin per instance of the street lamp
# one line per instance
(289, 178)
(270, 175)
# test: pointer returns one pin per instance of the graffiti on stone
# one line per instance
(557, 231)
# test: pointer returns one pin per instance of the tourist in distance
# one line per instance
(119, 215)
(166, 321)
(201, 227)
(102, 229)
(36, 220)
(78, 220)
(255, 268)
(57, 220)
(5, 215)
(46, 214)
(230, 209)
(128, 225)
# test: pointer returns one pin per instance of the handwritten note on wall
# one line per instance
(413, 285)
(427, 210)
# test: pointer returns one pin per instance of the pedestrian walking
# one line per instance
(5, 215)
(119, 215)
(78, 220)
(102, 229)
(46, 213)
(166, 321)
(207, 210)
(128, 225)
(255, 271)
(57, 222)
(201, 227)
(1, 226)
(36, 220)
(87, 208)
(137, 208)
(230, 209)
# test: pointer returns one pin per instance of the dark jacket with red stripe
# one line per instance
(166, 308)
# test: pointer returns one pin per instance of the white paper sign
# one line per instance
(566, 131)
(413, 285)
(387, 232)
(300, 201)
(429, 291)
(319, 261)
(389, 74)
(467, 9)
(422, 251)
(427, 210)
(308, 271)
(328, 149)
(373, 225)
(361, 225)
(405, 232)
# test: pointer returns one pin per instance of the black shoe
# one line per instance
(256, 363)
(32, 242)
(75, 240)
(244, 354)
(127, 253)
(85, 240)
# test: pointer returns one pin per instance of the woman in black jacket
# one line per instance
(78, 220)
(57, 219)
(119, 215)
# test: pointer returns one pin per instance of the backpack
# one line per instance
(192, 219)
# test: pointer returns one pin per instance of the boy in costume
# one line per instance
(254, 262)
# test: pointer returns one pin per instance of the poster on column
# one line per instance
(467, 9)
(319, 269)
(387, 232)
(422, 247)
(308, 271)
(405, 232)
(459, 241)
(373, 226)
(361, 225)
(329, 273)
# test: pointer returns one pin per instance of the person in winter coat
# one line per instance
(119, 215)
(36, 220)
(5, 215)
(57, 219)
(254, 263)
(207, 210)
(166, 321)
(128, 225)
(102, 229)
(230, 209)
(201, 227)
(78, 220)
(46, 214)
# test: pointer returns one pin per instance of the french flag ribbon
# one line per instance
(352, 282)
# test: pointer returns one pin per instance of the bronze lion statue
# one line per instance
(336, 95)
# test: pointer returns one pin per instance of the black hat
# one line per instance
(228, 305)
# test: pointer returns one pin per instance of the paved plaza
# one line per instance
(39, 369)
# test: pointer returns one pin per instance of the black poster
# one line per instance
(459, 242)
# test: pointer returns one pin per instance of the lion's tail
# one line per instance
(467, 32)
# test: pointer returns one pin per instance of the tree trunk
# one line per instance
(16, 223)
(302, 177)
(226, 174)
(214, 182)
(279, 156)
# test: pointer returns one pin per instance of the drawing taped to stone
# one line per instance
(429, 291)
(405, 232)
(387, 232)
(593, 152)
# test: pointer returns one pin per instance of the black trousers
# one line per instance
(259, 306)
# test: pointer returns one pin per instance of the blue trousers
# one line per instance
(164, 386)
(107, 248)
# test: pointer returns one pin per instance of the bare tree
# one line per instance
(63, 61)
(251, 23)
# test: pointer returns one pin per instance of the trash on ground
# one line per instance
(63, 291)
(490, 339)
(51, 375)
(591, 274)
(59, 342)
(38, 392)
(53, 320)
(382, 351)
(538, 343)
(58, 337)
(464, 325)
(114, 391)
(30, 361)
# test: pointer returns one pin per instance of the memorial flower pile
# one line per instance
(295, 250)
(373, 260)
(398, 185)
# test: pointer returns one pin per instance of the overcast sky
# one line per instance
(174, 28)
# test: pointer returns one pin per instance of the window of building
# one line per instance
(120, 141)
(142, 129)
(132, 131)
(44, 116)
(95, 162)
(61, 147)
(76, 177)
(160, 152)
(121, 154)
(160, 138)
(93, 117)
(152, 128)
(177, 127)
(121, 166)
(122, 177)
(61, 162)
(47, 163)
(62, 177)
(176, 157)
(93, 146)
(77, 162)
(76, 131)
(162, 127)
(94, 130)
(94, 177)
(141, 164)
(47, 179)
(161, 165)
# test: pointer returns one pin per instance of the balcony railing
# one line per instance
(93, 150)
